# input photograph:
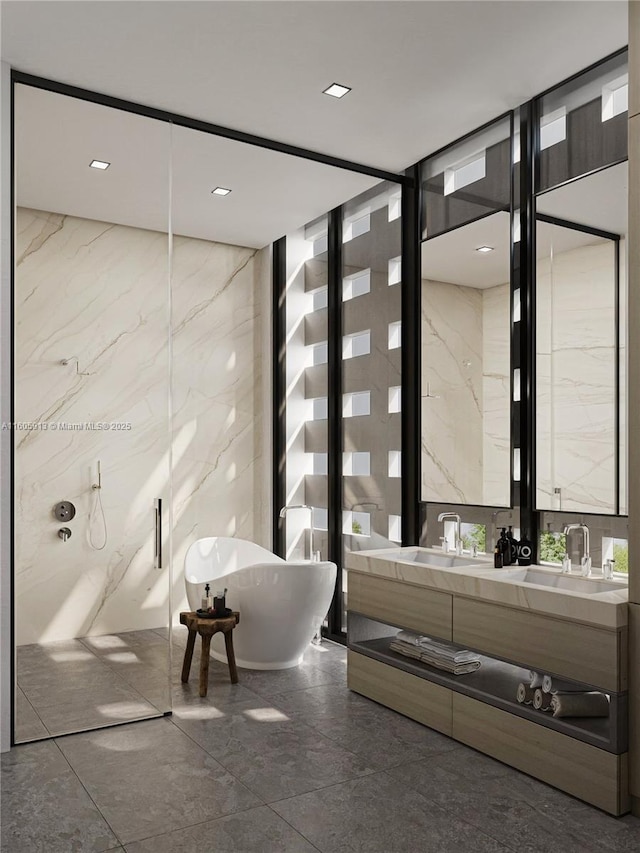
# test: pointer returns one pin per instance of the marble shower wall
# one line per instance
(576, 361)
(99, 292)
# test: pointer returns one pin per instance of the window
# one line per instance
(395, 460)
(320, 353)
(617, 550)
(318, 409)
(395, 334)
(395, 399)
(319, 463)
(356, 285)
(553, 128)
(356, 464)
(356, 523)
(319, 298)
(465, 173)
(320, 518)
(320, 245)
(615, 98)
(395, 528)
(356, 227)
(356, 404)
(394, 270)
(355, 345)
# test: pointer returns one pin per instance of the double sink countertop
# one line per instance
(540, 589)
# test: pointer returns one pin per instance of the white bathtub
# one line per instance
(281, 603)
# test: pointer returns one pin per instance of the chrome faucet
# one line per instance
(458, 537)
(285, 510)
(585, 564)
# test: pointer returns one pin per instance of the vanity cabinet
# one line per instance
(585, 757)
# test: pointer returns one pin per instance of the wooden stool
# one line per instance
(207, 628)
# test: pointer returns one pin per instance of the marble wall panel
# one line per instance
(452, 372)
(100, 292)
(576, 363)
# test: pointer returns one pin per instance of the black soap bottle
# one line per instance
(505, 547)
(513, 542)
(525, 549)
(497, 557)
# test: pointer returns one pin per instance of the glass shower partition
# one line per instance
(90, 432)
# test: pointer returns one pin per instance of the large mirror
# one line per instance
(581, 444)
(466, 322)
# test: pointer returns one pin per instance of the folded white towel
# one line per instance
(535, 679)
(524, 694)
(445, 664)
(437, 648)
(541, 700)
(592, 704)
(557, 685)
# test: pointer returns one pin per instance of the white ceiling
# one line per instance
(423, 73)
(272, 194)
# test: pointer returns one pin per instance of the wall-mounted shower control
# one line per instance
(64, 533)
(64, 511)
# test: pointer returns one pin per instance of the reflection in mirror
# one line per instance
(466, 384)
(581, 344)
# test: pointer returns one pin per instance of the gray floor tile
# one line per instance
(29, 726)
(257, 830)
(381, 736)
(272, 682)
(96, 709)
(376, 815)
(149, 778)
(45, 809)
(519, 811)
(326, 700)
(272, 755)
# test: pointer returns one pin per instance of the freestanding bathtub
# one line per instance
(281, 603)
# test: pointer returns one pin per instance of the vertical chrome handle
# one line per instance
(157, 557)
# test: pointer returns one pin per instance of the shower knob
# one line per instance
(64, 533)
(64, 511)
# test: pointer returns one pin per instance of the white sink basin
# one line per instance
(557, 580)
(437, 559)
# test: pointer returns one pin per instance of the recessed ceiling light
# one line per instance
(336, 90)
(484, 249)
(220, 191)
(99, 164)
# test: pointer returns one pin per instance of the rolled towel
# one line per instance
(593, 704)
(541, 700)
(557, 685)
(535, 680)
(524, 694)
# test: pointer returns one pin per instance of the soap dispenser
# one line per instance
(207, 601)
(525, 550)
(505, 547)
(513, 542)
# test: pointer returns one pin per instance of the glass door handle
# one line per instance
(157, 557)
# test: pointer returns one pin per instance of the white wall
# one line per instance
(100, 292)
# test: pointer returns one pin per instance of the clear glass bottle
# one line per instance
(566, 563)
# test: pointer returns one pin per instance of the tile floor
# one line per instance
(284, 762)
(80, 684)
